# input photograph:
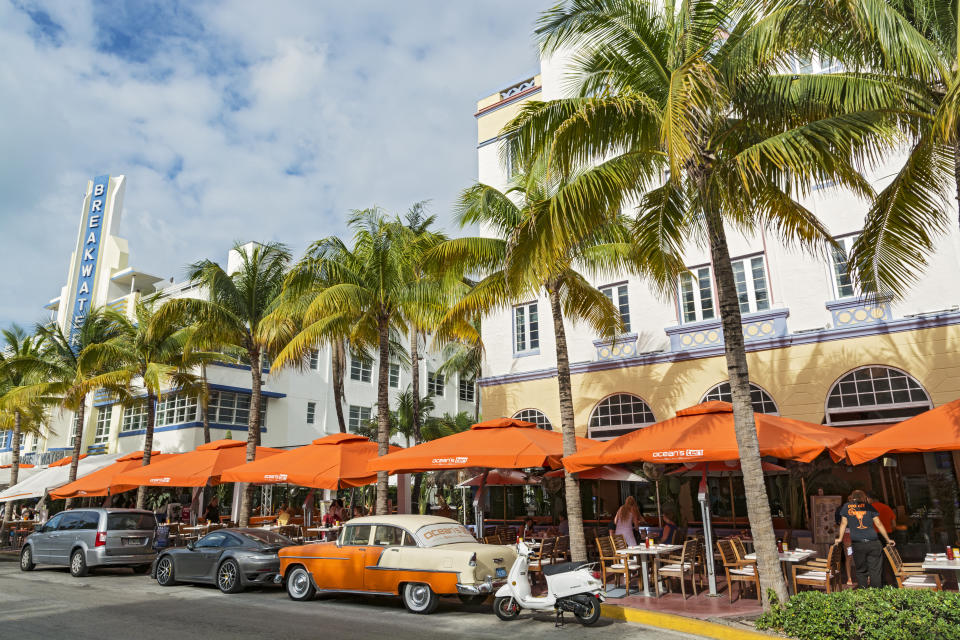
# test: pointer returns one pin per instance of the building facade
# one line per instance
(818, 351)
(298, 403)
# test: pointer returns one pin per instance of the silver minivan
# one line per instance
(84, 538)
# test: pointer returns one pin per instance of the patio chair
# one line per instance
(684, 567)
(823, 574)
(615, 564)
(543, 556)
(910, 575)
(561, 552)
(737, 570)
(494, 539)
(739, 547)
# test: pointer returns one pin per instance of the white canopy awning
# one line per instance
(53, 477)
(21, 476)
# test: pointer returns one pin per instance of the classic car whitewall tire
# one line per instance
(419, 598)
(300, 584)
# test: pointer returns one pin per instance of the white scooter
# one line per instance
(570, 587)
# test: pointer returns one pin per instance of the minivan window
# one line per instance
(89, 520)
(70, 522)
(53, 522)
(131, 522)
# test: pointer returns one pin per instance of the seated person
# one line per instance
(669, 528)
(563, 528)
(212, 513)
(527, 531)
(284, 515)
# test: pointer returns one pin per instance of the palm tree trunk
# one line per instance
(148, 445)
(14, 476)
(383, 412)
(578, 545)
(204, 403)
(415, 383)
(77, 444)
(755, 491)
(337, 359)
(253, 433)
(956, 170)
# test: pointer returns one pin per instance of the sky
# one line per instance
(236, 121)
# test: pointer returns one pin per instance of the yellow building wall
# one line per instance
(490, 124)
(797, 377)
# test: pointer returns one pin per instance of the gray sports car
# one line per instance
(232, 559)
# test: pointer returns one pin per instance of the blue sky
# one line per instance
(236, 120)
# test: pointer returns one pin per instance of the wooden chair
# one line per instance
(819, 573)
(739, 547)
(561, 552)
(737, 570)
(619, 542)
(494, 539)
(687, 565)
(910, 575)
(543, 556)
(613, 563)
(503, 533)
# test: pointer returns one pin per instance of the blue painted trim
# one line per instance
(852, 302)
(265, 394)
(59, 449)
(527, 353)
(231, 365)
(486, 143)
(186, 425)
(933, 321)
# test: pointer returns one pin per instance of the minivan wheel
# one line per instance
(165, 572)
(228, 577)
(78, 564)
(300, 584)
(26, 559)
(419, 598)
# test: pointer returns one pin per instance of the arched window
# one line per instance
(875, 394)
(619, 414)
(762, 402)
(535, 416)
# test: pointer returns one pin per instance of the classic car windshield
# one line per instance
(434, 535)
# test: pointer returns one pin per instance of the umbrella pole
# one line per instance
(659, 514)
(806, 508)
(478, 502)
(733, 504)
(707, 534)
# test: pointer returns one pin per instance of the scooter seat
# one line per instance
(563, 567)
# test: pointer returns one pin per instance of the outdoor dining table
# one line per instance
(323, 529)
(939, 562)
(787, 557)
(644, 552)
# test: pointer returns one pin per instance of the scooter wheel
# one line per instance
(590, 612)
(506, 608)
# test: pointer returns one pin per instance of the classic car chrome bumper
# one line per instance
(480, 589)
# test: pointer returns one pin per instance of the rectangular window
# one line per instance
(696, 295)
(232, 408)
(5, 438)
(103, 424)
(468, 390)
(176, 409)
(361, 369)
(311, 412)
(843, 283)
(526, 328)
(751, 280)
(394, 375)
(134, 418)
(314, 360)
(76, 427)
(435, 384)
(359, 416)
(617, 294)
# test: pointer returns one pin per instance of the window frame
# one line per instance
(217, 411)
(311, 412)
(624, 427)
(905, 409)
(847, 240)
(544, 424)
(393, 375)
(360, 419)
(176, 408)
(526, 336)
(698, 296)
(750, 282)
(623, 300)
(134, 417)
(101, 434)
(361, 369)
(754, 389)
(472, 386)
(436, 384)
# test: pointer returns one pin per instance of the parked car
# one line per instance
(416, 557)
(86, 538)
(232, 559)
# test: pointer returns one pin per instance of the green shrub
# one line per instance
(869, 614)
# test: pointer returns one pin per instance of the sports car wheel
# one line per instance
(228, 577)
(165, 572)
(300, 584)
(26, 559)
(506, 608)
(78, 564)
(419, 598)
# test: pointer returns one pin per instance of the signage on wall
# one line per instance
(90, 235)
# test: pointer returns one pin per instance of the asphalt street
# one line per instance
(114, 603)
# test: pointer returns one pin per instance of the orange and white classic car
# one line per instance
(416, 557)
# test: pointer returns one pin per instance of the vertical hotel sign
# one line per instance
(91, 233)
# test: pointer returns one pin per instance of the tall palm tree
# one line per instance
(702, 84)
(233, 315)
(464, 358)
(17, 414)
(366, 292)
(151, 352)
(517, 267)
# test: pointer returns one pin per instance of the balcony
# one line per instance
(760, 325)
(624, 346)
(859, 311)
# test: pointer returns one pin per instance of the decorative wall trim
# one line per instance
(508, 101)
(859, 311)
(759, 325)
(212, 385)
(188, 425)
(624, 346)
(932, 321)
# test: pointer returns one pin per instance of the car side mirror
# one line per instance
(191, 546)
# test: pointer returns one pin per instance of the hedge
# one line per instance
(869, 614)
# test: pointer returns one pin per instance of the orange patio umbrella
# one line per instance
(503, 443)
(197, 468)
(704, 433)
(727, 466)
(102, 482)
(22, 466)
(62, 462)
(934, 430)
(334, 462)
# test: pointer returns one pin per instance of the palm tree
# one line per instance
(405, 419)
(365, 292)
(464, 357)
(151, 351)
(17, 415)
(517, 267)
(233, 315)
(701, 85)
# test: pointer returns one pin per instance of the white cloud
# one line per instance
(233, 122)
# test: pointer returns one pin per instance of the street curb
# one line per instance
(678, 623)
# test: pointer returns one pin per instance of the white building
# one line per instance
(298, 405)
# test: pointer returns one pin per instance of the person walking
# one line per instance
(627, 519)
(863, 522)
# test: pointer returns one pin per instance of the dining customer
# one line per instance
(863, 522)
(212, 512)
(627, 520)
(669, 527)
